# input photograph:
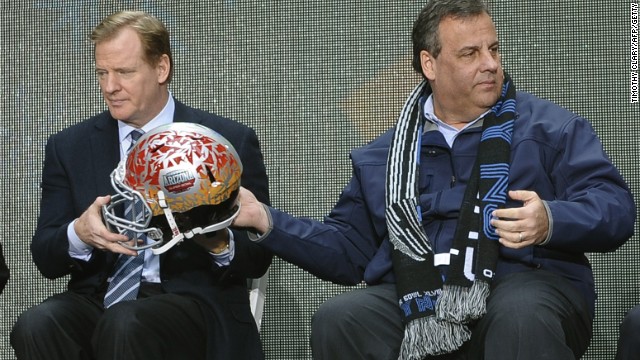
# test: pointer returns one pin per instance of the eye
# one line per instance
(468, 53)
(125, 74)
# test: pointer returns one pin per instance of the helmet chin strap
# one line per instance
(179, 236)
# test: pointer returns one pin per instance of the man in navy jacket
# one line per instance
(193, 301)
(565, 199)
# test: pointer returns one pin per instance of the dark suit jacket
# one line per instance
(78, 162)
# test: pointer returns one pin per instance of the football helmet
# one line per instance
(187, 178)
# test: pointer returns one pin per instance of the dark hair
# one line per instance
(153, 34)
(425, 29)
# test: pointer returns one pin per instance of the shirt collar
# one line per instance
(449, 132)
(430, 115)
(164, 117)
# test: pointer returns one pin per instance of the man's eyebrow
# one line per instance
(470, 47)
(475, 47)
(118, 69)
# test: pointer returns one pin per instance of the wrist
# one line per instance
(265, 222)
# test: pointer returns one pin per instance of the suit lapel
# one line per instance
(105, 152)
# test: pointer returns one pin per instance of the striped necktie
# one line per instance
(125, 281)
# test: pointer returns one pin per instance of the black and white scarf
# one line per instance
(436, 309)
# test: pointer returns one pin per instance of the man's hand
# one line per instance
(523, 226)
(93, 232)
(252, 213)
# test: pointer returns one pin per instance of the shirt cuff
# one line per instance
(257, 237)
(550, 230)
(78, 249)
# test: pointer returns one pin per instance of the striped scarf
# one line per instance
(436, 310)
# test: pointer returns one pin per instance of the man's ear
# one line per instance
(427, 62)
(163, 68)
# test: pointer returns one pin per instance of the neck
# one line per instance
(458, 118)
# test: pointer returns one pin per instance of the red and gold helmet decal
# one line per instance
(192, 165)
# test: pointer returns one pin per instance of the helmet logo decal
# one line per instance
(178, 181)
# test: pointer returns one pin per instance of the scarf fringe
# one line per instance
(461, 304)
(430, 336)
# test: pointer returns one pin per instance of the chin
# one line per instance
(492, 97)
(487, 102)
(119, 115)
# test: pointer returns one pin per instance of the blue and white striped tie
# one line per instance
(125, 282)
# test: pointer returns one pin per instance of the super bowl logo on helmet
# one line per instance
(178, 181)
(187, 178)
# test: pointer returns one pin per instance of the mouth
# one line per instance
(116, 102)
(487, 83)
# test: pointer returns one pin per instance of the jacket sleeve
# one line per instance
(338, 249)
(251, 260)
(593, 210)
(49, 246)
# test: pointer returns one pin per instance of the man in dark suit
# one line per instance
(193, 301)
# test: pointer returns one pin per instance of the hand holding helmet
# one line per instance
(91, 229)
(253, 214)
